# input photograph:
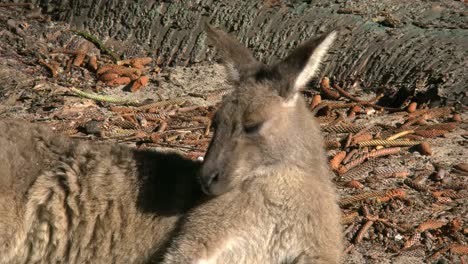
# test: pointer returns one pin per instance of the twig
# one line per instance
(97, 43)
(176, 101)
(52, 67)
(400, 134)
(365, 228)
(103, 98)
(373, 154)
(325, 85)
(365, 103)
(383, 142)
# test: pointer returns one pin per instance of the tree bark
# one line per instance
(400, 47)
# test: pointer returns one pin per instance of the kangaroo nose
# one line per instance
(212, 178)
(209, 179)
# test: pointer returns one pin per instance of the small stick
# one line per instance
(349, 156)
(358, 171)
(103, 98)
(50, 66)
(439, 253)
(373, 154)
(397, 135)
(365, 228)
(357, 100)
(325, 85)
(400, 134)
(378, 142)
(97, 43)
(177, 101)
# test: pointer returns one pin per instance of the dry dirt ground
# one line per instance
(404, 203)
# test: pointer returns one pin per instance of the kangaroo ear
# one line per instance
(304, 63)
(237, 59)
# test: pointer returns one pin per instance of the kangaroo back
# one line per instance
(72, 202)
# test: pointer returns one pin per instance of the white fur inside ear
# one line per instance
(314, 61)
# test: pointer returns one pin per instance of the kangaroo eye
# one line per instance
(252, 129)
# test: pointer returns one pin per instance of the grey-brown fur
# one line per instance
(65, 201)
(73, 202)
(274, 201)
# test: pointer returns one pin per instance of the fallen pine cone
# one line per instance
(355, 184)
(444, 126)
(138, 63)
(430, 225)
(457, 118)
(431, 133)
(459, 249)
(140, 82)
(325, 85)
(391, 172)
(412, 241)
(336, 160)
(108, 77)
(355, 109)
(412, 107)
(425, 149)
(396, 193)
(462, 167)
(52, 66)
(416, 185)
(315, 101)
(93, 62)
(131, 73)
(332, 144)
(79, 59)
(119, 81)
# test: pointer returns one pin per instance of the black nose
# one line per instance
(207, 179)
(211, 178)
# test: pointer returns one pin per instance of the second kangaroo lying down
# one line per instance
(67, 201)
(275, 202)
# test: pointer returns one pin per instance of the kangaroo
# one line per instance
(272, 196)
(66, 201)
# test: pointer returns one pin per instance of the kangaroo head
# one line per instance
(264, 124)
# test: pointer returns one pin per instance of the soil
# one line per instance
(403, 191)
